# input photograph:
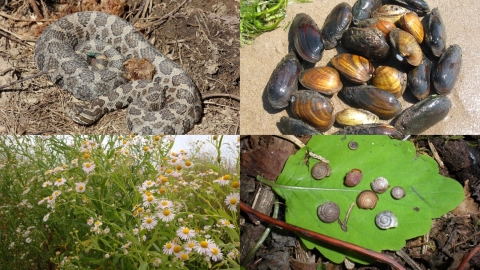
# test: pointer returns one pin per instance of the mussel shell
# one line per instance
(355, 68)
(406, 47)
(372, 99)
(362, 9)
(325, 80)
(418, 6)
(423, 115)
(292, 126)
(313, 108)
(354, 117)
(391, 13)
(371, 129)
(283, 81)
(307, 38)
(384, 26)
(367, 42)
(435, 33)
(418, 79)
(335, 24)
(445, 74)
(390, 79)
(411, 23)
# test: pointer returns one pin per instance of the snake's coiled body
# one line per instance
(169, 104)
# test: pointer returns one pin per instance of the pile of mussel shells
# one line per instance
(408, 52)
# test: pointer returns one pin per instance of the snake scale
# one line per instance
(169, 104)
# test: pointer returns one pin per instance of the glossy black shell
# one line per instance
(283, 81)
(418, 79)
(372, 99)
(435, 33)
(423, 115)
(362, 9)
(292, 126)
(335, 24)
(445, 74)
(367, 42)
(307, 38)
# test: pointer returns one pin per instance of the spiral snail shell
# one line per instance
(379, 185)
(386, 220)
(367, 199)
(321, 170)
(353, 177)
(398, 192)
(328, 212)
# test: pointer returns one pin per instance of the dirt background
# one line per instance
(201, 36)
(452, 236)
(259, 60)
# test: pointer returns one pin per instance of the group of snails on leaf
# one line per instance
(329, 212)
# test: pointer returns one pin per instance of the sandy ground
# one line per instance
(259, 60)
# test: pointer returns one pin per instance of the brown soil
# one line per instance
(201, 36)
(452, 236)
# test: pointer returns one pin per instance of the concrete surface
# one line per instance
(462, 20)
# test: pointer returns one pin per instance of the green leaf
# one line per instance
(428, 194)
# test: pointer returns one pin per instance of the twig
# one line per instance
(435, 154)
(208, 96)
(164, 18)
(220, 105)
(467, 258)
(292, 139)
(343, 225)
(3, 14)
(408, 260)
(323, 238)
(35, 9)
(11, 36)
(26, 78)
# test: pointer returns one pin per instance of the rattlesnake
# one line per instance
(169, 104)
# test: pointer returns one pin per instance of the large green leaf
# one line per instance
(428, 194)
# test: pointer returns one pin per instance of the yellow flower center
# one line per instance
(164, 203)
(204, 244)
(214, 251)
(80, 187)
(186, 231)
(166, 212)
(226, 177)
(169, 171)
(156, 138)
(184, 256)
(174, 154)
(191, 245)
(162, 190)
(88, 165)
(169, 245)
(140, 209)
(98, 223)
(233, 201)
(164, 179)
(177, 249)
(179, 167)
(150, 198)
(145, 148)
(235, 184)
(59, 180)
(86, 155)
(149, 220)
(188, 163)
(227, 222)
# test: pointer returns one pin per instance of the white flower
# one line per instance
(168, 248)
(149, 222)
(135, 231)
(148, 184)
(202, 247)
(232, 200)
(90, 221)
(157, 262)
(107, 255)
(165, 204)
(148, 200)
(120, 235)
(185, 233)
(216, 253)
(106, 230)
(88, 166)
(28, 240)
(80, 187)
(56, 193)
(166, 215)
(190, 245)
(60, 181)
(45, 218)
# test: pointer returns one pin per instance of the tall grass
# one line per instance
(108, 202)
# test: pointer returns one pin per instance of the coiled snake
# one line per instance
(169, 104)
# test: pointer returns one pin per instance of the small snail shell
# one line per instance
(367, 199)
(386, 220)
(321, 170)
(328, 212)
(398, 192)
(353, 177)
(379, 185)
(353, 145)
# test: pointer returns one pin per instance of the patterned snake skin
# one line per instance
(170, 104)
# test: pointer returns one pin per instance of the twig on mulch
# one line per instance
(320, 237)
(208, 96)
(435, 154)
(468, 257)
(163, 18)
(11, 36)
(35, 8)
(26, 78)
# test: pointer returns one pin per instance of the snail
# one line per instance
(328, 212)
(353, 177)
(367, 199)
(386, 220)
(379, 185)
(321, 170)
(352, 145)
(398, 192)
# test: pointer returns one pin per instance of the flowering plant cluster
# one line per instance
(119, 202)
